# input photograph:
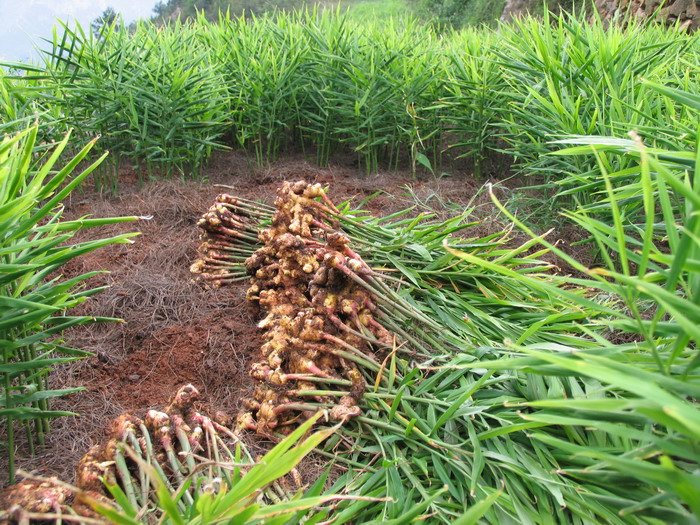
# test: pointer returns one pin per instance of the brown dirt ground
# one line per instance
(175, 332)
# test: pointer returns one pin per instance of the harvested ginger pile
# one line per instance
(318, 318)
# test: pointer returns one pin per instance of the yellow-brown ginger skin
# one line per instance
(98, 464)
(311, 310)
(41, 496)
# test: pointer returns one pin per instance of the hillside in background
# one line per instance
(455, 13)
(359, 9)
(211, 8)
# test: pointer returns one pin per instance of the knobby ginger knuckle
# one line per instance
(312, 312)
(306, 286)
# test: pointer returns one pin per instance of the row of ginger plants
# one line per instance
(396, 94)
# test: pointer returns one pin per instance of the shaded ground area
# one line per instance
(175, 332)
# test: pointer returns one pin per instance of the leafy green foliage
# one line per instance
(649, 271)
(431, 419)
(509, 395)
(389, 91)
(23, 102)
(575, 78)
(508, 389)
(34, 300)
(544, 399)
(488, 337)
(172, 9)
(231, 488)
(141, 94)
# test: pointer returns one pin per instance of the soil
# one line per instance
(174, 331)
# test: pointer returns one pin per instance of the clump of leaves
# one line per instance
(34, 299)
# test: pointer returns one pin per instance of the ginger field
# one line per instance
(312, 269)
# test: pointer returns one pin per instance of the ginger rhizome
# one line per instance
(317, 319)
